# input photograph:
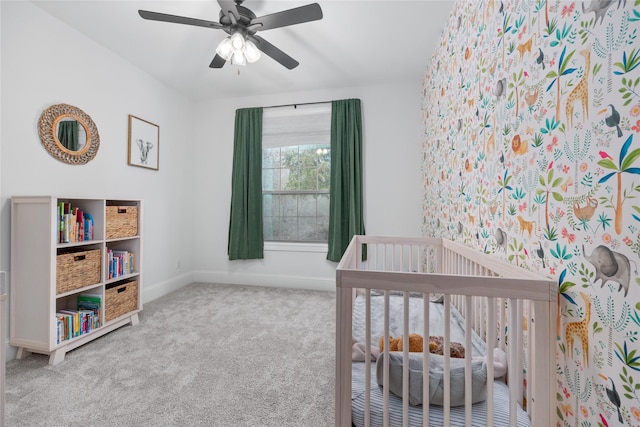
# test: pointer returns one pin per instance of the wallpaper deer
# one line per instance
(531, 152)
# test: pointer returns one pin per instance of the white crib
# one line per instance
(507, 307)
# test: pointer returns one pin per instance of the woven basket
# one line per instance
(122, 221)
(120, 299)
(77, 269)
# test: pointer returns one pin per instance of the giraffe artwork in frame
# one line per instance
(144, 143)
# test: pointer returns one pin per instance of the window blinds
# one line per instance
(302, 125)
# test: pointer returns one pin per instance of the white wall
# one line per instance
(391, 121)
(45, 62)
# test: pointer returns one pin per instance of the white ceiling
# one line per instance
(357, 43)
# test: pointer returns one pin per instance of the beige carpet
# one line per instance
(205, 355)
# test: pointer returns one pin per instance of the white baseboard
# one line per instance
(156, 290)
(272, 280)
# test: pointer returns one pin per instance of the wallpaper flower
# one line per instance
(531, 152)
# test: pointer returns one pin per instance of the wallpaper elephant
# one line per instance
(531, 153)
(610, 265)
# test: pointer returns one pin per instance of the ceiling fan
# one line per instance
(242, 24)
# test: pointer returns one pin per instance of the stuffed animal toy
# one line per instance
(396, 344)
(436, 346)
(416, 345)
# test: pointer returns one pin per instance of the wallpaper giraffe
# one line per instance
(531, 152)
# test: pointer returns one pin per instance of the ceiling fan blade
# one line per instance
(273, 52)
(229, 6)
(298, 15)
(155, 16)
(218, 62)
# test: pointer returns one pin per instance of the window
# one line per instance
(296, 170)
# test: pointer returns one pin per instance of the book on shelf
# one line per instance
(74, 225)
(87, 228)
(119, 263)
(80, 226)
(66, 225)
(74, 323)
(74, 327)
(93, 302)
(60, 222)
(62, 324)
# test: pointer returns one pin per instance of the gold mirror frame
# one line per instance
(48, 134)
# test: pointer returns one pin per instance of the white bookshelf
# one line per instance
(35, 249)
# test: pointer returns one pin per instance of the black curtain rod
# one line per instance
(299, 103)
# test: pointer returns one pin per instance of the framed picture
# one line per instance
(144, 143)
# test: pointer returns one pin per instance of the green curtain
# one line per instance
(346, 195)
(245, 224)
(68, 134)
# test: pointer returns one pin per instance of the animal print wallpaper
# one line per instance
(531, 152)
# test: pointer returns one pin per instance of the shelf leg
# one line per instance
(22, 353)
(56, 356)
(134, 319)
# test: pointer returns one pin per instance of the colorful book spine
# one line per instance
(93, 302)
(74, 225)
(60, 222)
(120, 263)
(74, 323)
(61, 327)
(80, 226)
(88, 226)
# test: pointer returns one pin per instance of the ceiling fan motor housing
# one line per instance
(243, 20)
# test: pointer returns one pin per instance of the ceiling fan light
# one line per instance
(224, 49)
(251, 52)
(238, 58)
(237, 41)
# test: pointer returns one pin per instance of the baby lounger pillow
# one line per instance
(436, 378)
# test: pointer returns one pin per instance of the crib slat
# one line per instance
(543, 336)
(467, 360)
(425, 360)
(367, 392)
(447, 362)
(502, 333)
(385, 366)
(520, 349)
(405, 365)
(530, 348)
(343, 356)
(491, 343)
(483, 315)
(513, 362)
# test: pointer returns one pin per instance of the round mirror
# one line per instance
(72, 134)
(69, 134)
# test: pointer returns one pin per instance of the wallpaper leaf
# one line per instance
(628, 65)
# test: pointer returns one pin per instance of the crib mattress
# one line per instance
(436, 413)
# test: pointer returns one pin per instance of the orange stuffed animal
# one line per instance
(396, 344)
(416, 345)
